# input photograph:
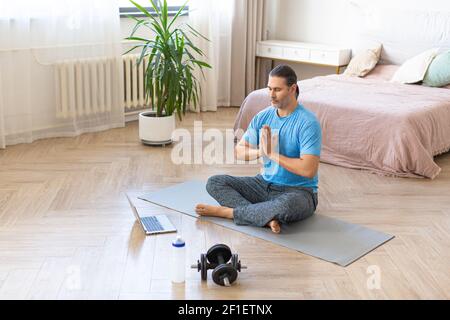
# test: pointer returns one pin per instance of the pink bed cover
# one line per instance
(372, 124)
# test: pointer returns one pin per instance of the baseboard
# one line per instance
(134, 115)
(131, 117)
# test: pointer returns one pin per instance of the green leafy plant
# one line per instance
(170, 84)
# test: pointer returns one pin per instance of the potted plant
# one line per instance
(170, 83)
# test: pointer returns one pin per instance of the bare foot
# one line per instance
(275, 226)
(214, 211)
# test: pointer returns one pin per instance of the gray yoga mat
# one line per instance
(322, 237)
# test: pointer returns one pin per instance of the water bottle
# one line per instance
(178, 263)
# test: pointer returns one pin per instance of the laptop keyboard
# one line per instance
(152, 224)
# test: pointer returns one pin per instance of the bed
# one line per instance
(370, 123)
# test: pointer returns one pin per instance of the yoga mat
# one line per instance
(319, 236)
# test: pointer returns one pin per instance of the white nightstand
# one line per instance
(303, 52)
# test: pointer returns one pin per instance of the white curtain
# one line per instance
(249, 27)
(233, 28)
(34, 37)
(2, 123)
(213, 19)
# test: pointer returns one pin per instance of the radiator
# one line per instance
(134, 82)
(85, 87)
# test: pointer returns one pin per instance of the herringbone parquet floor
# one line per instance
(67, 231)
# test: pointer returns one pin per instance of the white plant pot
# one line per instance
(156, 130)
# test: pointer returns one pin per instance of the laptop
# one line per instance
(152, 224)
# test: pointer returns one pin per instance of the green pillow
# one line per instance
(438, 73)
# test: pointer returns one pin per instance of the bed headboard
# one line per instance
(404, 32)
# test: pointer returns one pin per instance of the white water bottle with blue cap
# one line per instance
(178, 263)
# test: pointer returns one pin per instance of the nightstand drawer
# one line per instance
(296, 54)
(303, 52)
(269, 51)
(325, 57)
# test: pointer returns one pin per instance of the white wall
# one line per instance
(316, 21)
(331, 22)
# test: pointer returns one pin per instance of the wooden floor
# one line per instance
(67, 231)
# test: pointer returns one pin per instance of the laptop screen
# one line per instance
(133, 207)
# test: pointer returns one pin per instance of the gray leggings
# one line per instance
(257, 202)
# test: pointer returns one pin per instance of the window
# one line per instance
(127, 8)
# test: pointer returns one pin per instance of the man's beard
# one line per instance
(278, 104)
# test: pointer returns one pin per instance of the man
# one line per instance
(288, 137)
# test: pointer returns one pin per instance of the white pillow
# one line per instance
(362, 63)
(414, 69)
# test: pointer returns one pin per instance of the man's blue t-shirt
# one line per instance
(299, 133)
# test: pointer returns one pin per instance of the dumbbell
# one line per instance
(217, 258)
